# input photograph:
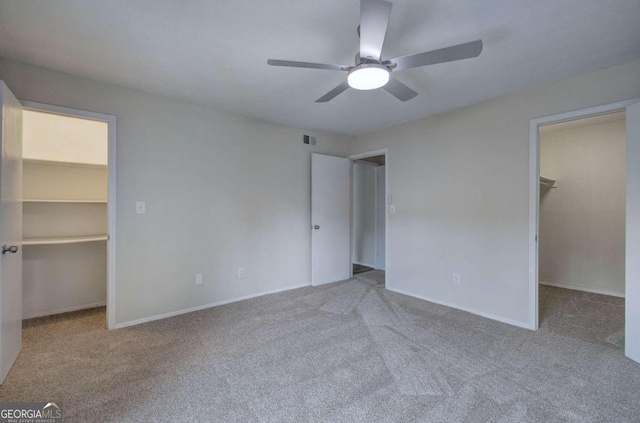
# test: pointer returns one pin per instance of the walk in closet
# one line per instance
(65, 188)
(582, 228)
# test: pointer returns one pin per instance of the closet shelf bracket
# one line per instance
(548, 182)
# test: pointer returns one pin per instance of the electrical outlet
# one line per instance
(392, 208)
(456, 279)
(141, 207)
(198, 278)
(241, 273)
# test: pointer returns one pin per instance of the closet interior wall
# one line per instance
(582, 215)
(64, 213)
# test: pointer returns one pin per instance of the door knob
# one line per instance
(12, 249)
(316, 226)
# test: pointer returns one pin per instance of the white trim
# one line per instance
(65, 310)
(580, 288)
(376, 198)
(366, 163)
(111, 203)
(205, 306)
(534, 205)
(351, 208)
(501, 319)
(380, 152)
(632, 235)
(375, 217)
(534, 189)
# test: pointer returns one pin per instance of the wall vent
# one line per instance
(307, 139)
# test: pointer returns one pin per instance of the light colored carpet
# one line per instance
(349, 352)
(582, 315)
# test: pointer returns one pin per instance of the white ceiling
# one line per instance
(215, 53)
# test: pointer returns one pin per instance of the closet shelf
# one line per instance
(58, 163)
(64, 240)
(548, 182)
(35, 200)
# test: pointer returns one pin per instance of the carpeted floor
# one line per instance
(582, 315)
(345, 352)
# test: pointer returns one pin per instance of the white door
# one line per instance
(381, 207)
(632, 280)
(330, 219)
(10, 230)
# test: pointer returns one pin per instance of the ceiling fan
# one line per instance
(370, 71)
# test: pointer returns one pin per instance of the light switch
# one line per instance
(392, 208)
(141, 207)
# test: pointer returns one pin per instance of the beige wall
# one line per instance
(582, 222)
(73, 277)
(58, 138)
(222, 191)
(460, 183)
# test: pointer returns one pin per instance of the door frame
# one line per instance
(380, 152)
(110, 120)
(534, 190)
(376, 217)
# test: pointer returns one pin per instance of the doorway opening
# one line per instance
(68, 216)
(369, 217)
(581, 238)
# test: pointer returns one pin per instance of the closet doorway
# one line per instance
(68, 214)
(368, 227)
(589, 271)
(370, 203)
(582, 228)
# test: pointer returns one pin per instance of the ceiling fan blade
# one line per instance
(333, 93)
(374, 18)
(309, 65)
(399, 90)
(448, 54)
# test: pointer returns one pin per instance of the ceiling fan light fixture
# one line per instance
(368, 76)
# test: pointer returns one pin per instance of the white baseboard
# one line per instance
(64, 310)
(579, 288)
(468, 310)
(205, 306)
